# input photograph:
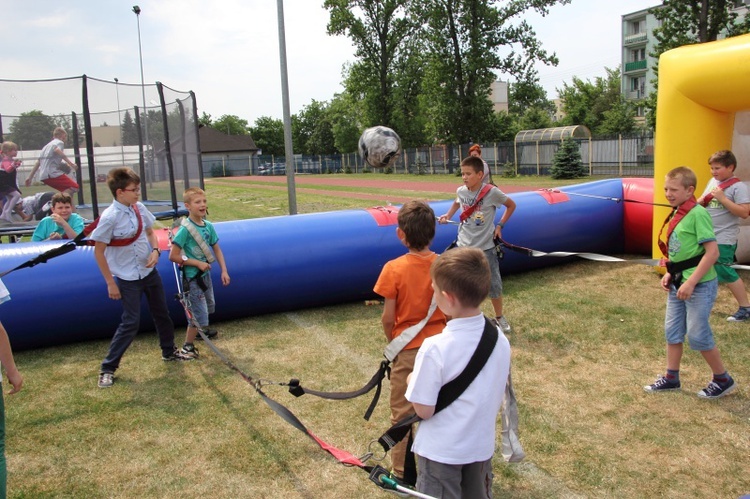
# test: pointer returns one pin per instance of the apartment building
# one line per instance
(638, 42)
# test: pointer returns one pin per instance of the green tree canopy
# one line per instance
(346, 122)
(312, 130)
(230, 125)
(129, 131)
(268, 135)
(32, 130)
(598, 105)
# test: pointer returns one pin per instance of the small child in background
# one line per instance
(62, 223)
(8, 184)
(192, 247)
(406, 285)
(727, 200)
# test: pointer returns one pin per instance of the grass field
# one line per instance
(586, 337)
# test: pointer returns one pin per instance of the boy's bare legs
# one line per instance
(713, 358)
(497, 304)
(190, 334)
(674, 356)
(740, 293)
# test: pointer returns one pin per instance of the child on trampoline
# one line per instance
(50, 165)
(62, 223)
(192, 247)
(727, 200)
(124, 235)
(406, 285)
(477, 229)
(455, 445)
(9, 192)
(691, 283)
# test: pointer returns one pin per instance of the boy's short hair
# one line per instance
(190, 192)
(9, 146)
(59, 132)
(417, 220)
(477, 148)
(723, 157)
(474, 162)
(686, 175)
(62, 198)
(121, 178)
(464, 273)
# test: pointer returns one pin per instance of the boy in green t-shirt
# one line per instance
(192, 247)
(692, 285)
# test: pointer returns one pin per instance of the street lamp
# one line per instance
(119, 120)
(137, 11)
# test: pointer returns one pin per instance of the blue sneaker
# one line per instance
(662, 384)
(715, 390)
(741, 315)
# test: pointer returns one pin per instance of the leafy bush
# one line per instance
(388, 170)
(509, 170)
(348, 169)
(567, 162)
(218, 171)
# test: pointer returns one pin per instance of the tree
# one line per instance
(527, 94)
(129, 131)
(464, 38)
(346, 122)
(268, 135)
(205, 120)
(598, 105)
(688, 22)
(312, 130)
(32, 130)
(231, 125)
(567, 161)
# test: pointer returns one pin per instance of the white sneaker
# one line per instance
(502, 323)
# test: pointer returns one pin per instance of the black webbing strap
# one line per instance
(677, 268)
(376, 381)
(451, 390)
(43, 257)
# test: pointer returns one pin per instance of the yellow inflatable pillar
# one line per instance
(703, 105)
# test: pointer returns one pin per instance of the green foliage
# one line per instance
(32, 130)
(129, 131)
(528, 94)
(567, 161)
(509, 170)
(312, 130)
(597, 105)
(205, 120)
(268, 135)
(464, 38)
(348, 170)
(685, 23)
(345, 116)
(388, 170)
(231, 125)
(217, 170)
(534, 118)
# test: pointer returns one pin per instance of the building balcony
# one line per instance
(635, 66)
(635, 95)
(635, 38)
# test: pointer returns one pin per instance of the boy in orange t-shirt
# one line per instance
(406, 285)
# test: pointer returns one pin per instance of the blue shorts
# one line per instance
(690, 317)
(496, 282)
(201, 302)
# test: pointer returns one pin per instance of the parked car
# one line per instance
(273, 169)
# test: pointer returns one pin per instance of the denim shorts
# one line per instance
(201, 302)
(496, 282)
(690, 317)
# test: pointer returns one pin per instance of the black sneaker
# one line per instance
(714, 390)
(189, 350)
(662, 384)
(211, 334)
(176, 355)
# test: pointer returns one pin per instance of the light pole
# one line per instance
(137, 11)
(119, 120)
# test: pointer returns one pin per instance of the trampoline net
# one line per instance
(152, 129)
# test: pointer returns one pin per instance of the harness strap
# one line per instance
(671, 222)
(451, 390)
(81, 240)
(723, 186)
(677, 268)
(376, 381)
(190, 227)
(469, 210)
(399, 342)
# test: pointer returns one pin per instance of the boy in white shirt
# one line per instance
(455, 446)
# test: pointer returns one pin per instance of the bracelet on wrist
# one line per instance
(158, 251)
(501, 225)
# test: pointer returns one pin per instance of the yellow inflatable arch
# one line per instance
(703, 105)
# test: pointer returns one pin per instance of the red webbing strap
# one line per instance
(671, 222)
(469, 210)
(114, 242)
(723, 186)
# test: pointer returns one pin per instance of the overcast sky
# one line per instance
(227, 51)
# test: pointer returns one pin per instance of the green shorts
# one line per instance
(726, 273)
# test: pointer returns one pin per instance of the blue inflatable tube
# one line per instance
(291, 262)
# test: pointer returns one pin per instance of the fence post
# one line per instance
(538, 169)
(591, 157)
(494, 148)
(619, 153)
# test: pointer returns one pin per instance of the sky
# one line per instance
(228, 53)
